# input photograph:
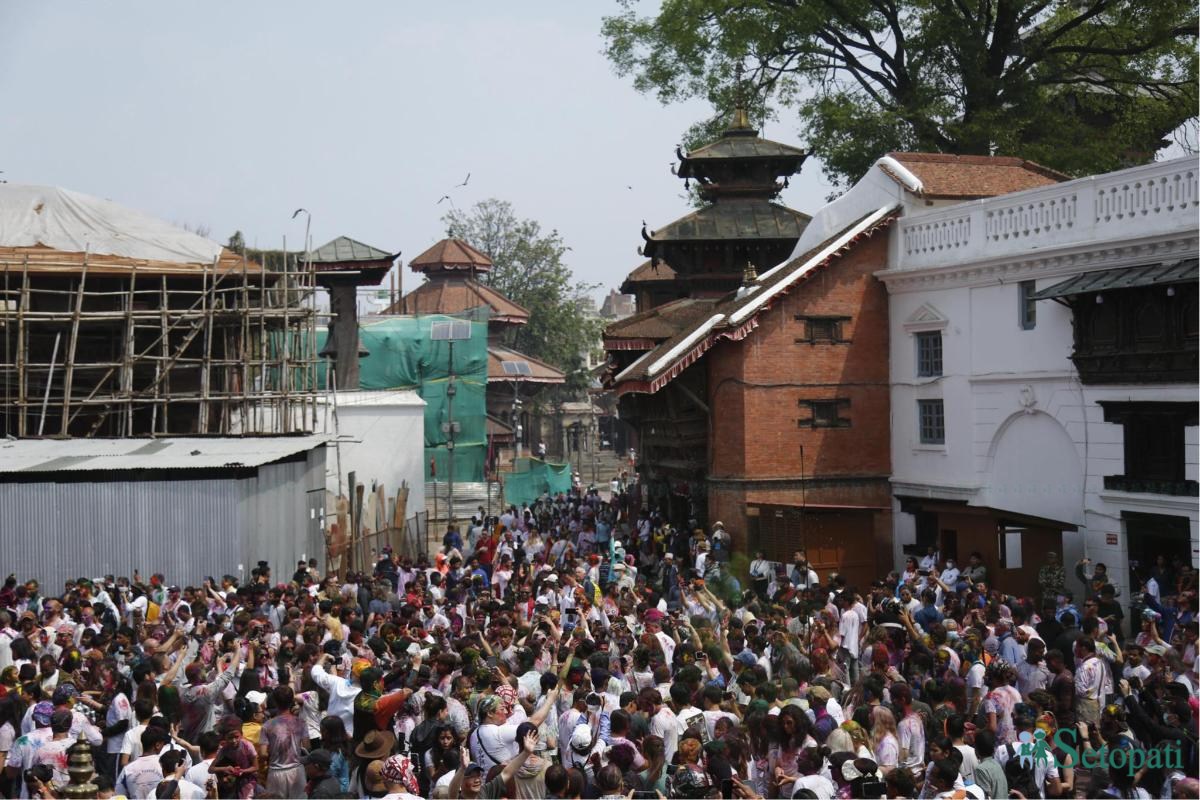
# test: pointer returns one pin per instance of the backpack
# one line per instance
(1020, 773)
(422, 741)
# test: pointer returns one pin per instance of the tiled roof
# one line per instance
(734, 316)
(733, 218)
(540, 371)
(455, 294)
(662, 322)
(344, 249)
(969, 177)
(650, 272)
(451, 254)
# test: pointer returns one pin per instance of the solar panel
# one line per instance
(516, 368)
(450, 331)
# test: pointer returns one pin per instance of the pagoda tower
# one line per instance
(738, 176)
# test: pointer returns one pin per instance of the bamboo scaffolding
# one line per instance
(147, 357)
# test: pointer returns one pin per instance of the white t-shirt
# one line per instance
(118, 710)
(969, 761)
(190, 791)
(848, 629)
(140, 778)
(199, 774)
(131, 744)
(665, 724)
(494, 744)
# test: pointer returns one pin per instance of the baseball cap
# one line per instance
(258, 698)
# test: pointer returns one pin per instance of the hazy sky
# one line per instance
(230, 115)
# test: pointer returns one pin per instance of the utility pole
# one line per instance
(451, 390)
(594, 441)
(450, 332)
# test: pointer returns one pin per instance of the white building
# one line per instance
(1044, 375)
(380, 436)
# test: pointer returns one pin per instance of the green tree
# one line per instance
(528, 267)
(237, 243)
(1083, 86)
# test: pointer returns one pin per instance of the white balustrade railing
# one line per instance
(1158, 198)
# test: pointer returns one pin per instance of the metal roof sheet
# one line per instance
(742, 218)
(84, 455)
(388, 398)
(1161, 273)
(344, 249)
(745, 144)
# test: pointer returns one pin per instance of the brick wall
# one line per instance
(755, 386)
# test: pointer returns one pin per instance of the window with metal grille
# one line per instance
(1026, 305)
(931, 421)
(825, 413)
(929, 354)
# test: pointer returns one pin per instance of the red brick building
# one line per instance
(767, 407)
(773, 402)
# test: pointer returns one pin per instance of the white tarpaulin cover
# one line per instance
(72, 222)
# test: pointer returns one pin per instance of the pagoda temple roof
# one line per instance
(731, 219)
(344, 250)
(649, 272)
(457, 294)
(451, 254)
(741, 143)
(643, 331)
(734, 316)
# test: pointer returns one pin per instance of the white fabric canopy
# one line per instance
(73, 222)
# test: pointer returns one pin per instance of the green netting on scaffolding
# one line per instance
(532, 477)
(403, 355)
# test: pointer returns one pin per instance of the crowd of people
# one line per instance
(587, 648)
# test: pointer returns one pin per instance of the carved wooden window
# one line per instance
(827, 330)
(1104, 324)
(1155, 446)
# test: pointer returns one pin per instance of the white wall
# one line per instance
(1022, 433)
(381, 437)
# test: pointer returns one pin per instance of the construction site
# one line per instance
(160, 333)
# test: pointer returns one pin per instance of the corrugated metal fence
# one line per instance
(183, 528)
